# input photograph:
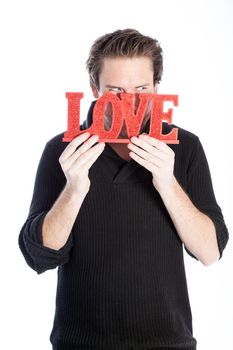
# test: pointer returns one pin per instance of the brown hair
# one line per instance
(123, 43)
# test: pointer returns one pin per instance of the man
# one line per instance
(114, 218)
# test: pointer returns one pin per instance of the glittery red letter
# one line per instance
(73, 129)
(133, 122)
(98, 118)
(158, 115)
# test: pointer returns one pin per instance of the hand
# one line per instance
(155, 156)
(76, 163)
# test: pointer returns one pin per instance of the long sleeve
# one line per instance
(200, 191)
(47, 187)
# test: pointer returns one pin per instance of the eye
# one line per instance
(115, 89)
(141, 88)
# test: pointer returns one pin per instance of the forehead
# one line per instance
(119, 70)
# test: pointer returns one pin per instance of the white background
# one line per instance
(44, 46)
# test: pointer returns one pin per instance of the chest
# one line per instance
(122, 150)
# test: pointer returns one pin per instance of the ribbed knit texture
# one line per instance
(121, 275)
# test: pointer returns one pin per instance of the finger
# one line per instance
(91, 154)
(156, 143)
(73, 145)
(147, 146)
(146, 155)
(83, 148)
(149, 166)
(88, 163)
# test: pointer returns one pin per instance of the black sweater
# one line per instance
(121, 275)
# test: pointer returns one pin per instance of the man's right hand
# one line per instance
(76, 163)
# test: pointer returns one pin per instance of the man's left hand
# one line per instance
(157, 157)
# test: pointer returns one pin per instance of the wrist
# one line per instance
(168, 188)
(74, 192)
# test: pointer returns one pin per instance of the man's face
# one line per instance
(132, 75)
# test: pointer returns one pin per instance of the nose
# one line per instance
(136, 101)
(135, 97)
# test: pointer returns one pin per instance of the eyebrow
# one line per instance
(114, 86)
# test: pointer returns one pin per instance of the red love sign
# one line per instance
(122, 109)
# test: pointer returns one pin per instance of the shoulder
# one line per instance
(183, 134)
(188, 141)
(56, 145)
(56, 142)
(187, 150)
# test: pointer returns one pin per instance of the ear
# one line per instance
(95, 91)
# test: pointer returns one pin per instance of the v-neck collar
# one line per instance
(127, 168)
